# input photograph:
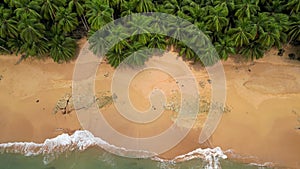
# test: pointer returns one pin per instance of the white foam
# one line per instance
(262, 165)
(211, 156)
(82, 139)
(244, 157)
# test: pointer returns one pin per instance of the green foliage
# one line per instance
(247, 27)
(39, 27)
(181, 8)
(217, 18)
(157, 41)
(253, 51)
(34, 48)
(49, 8)
(246, 8)
(187, 52)
(115, 55)
(77, 5)
(14, 45)
(135, 56)
(31, 29)
(27, 9)
(283, 26)
(143, 5)
(7, 23)
(225, 47)
(62, 48)
(66, 19)
(98, 14)
(243, 33)
(293, 6)
(3, 46)
(294, 32)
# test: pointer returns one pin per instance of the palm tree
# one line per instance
(127, 8)
(31, 29)
(230, 6)
(98, 43)
(10, 3)
(157, 41)
(15, 44)
(77, 4)
(3, 46)
(7, 23)
(116, 5)
(207, 55)
(268, 29)
(134, 57)
(187, 52)
(67, 20)
(98, 14)
(179, 8)
(119, 37)
(294, 33)
(283, 24)
(116, 54)
(157, 24)
(243, 33)
(49, 8)
(224, 47)
(246, 8)
(26, 8)
(203, 27)
(120, 47)
(253, 51)
(293, 6)
(276, 6)
(269, 38)
(143, 5)
(249, 26)
(262, 23)
(216, 20)
(139, 26)
(34, 48)
(176, 31)
(62, 48)
(196, 13)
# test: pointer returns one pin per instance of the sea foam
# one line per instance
(82, 139)
(211, 156)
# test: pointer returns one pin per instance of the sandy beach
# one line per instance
(261, 124)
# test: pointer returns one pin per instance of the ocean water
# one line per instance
(97, 159)
(84, 151)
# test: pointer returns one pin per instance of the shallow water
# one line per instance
(95, 158)
(84, 151)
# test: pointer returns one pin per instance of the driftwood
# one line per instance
(23, 57)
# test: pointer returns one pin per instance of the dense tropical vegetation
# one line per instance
(50, 27)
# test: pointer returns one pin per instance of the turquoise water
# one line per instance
(96, 158)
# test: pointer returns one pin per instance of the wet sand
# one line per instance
(263, 98)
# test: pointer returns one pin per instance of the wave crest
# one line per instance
(82, 139)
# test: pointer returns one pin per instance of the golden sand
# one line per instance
(263, 98)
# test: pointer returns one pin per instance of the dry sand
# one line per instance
(263, 98)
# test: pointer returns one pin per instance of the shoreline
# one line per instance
(264, 110)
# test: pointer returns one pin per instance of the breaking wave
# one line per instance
(83, 139)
